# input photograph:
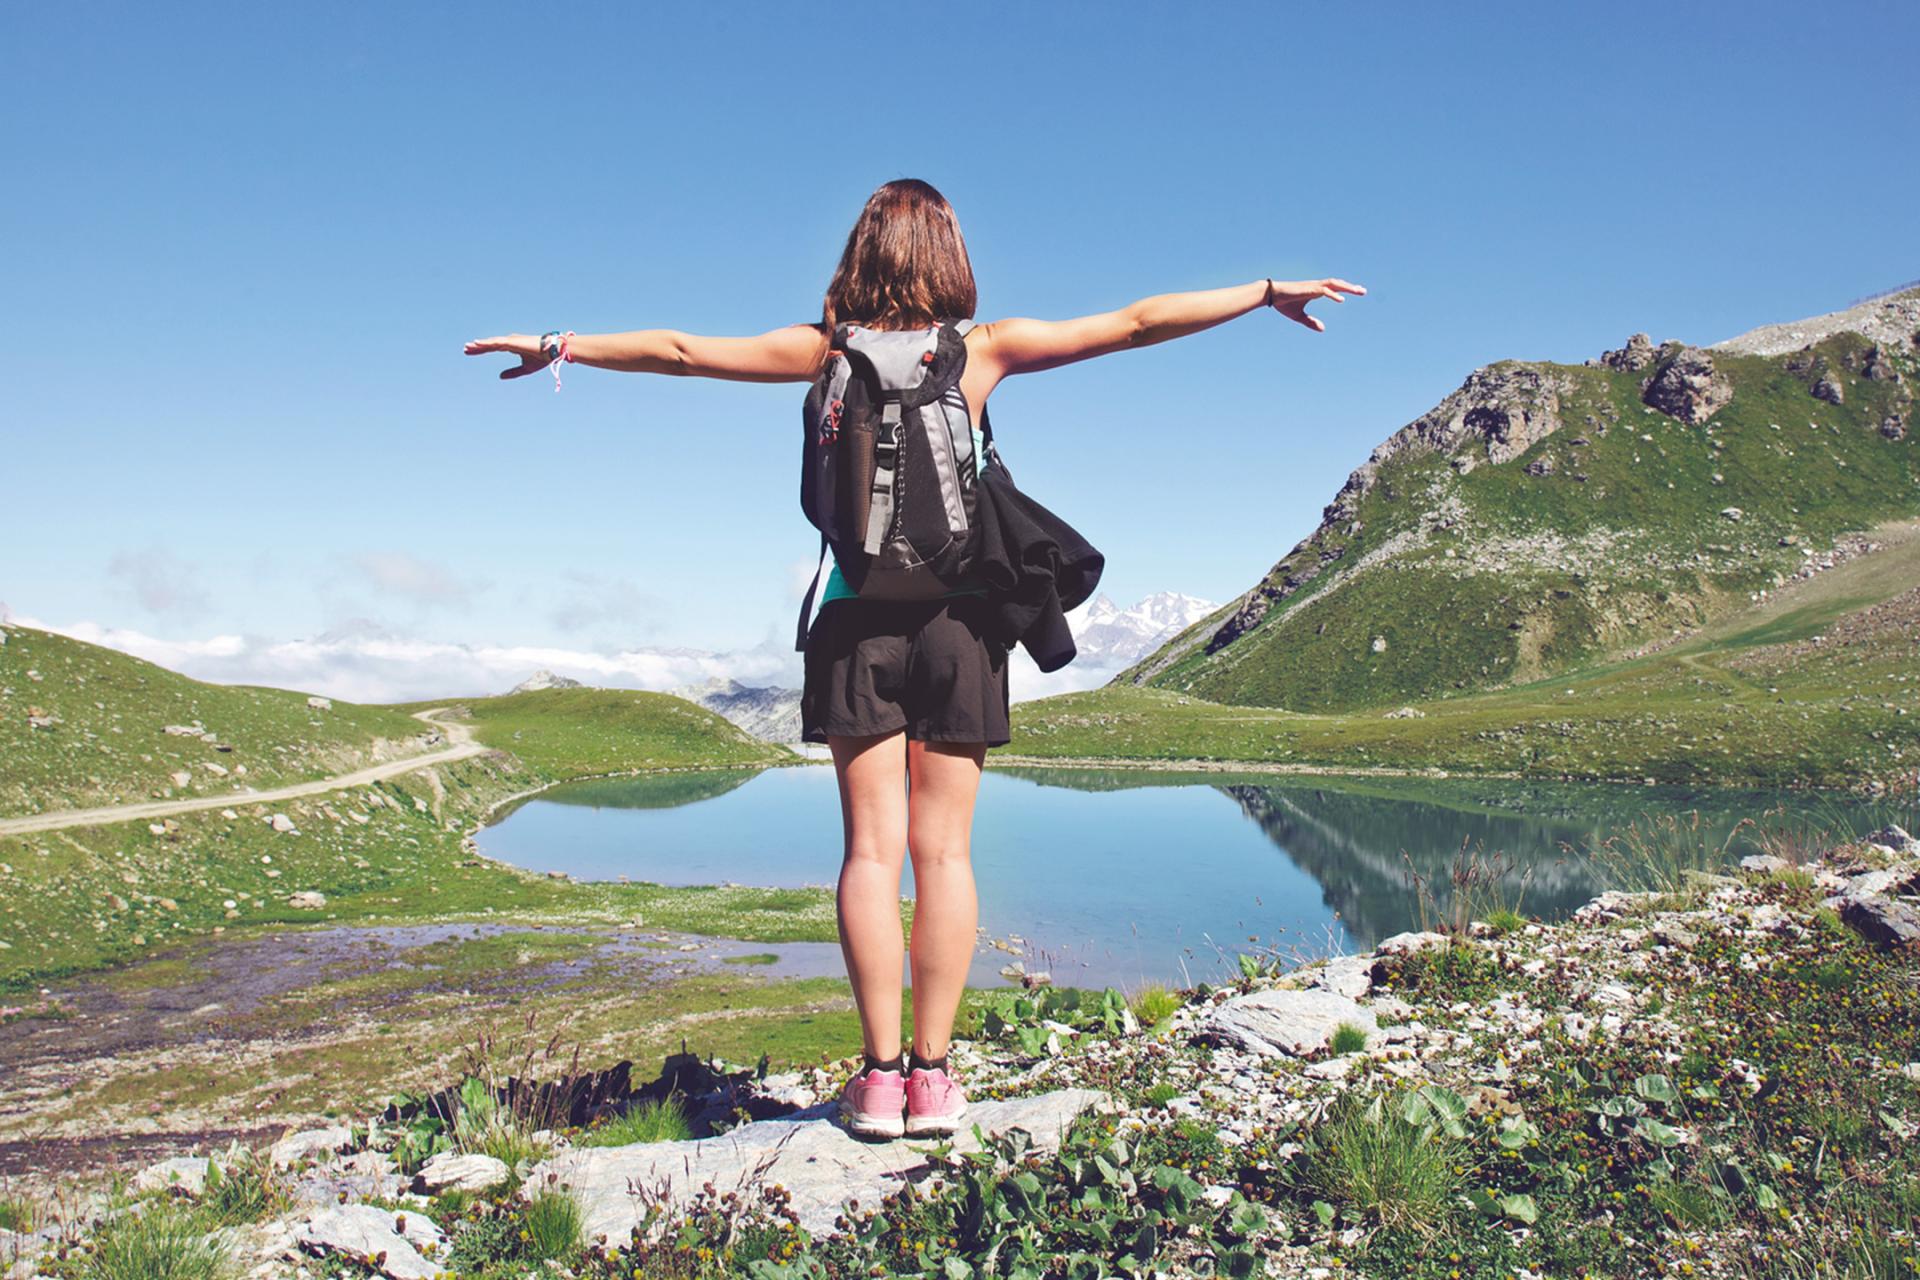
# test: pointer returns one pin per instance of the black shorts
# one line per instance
(927, 666)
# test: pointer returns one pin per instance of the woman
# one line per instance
(909, 690)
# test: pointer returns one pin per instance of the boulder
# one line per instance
(1632, 358)
(1764, 864)
(808, 1154)
(280, 822)
(1406, 944)
(397, 1244)
(1349, 976)
(1882, 920)
(184, 1174)
(295, 1147)
(1896, 839)
(320, 704)
(1829, 390)
(450, 1171)
(307, 900)
(1274, 1022)
(1688, 387)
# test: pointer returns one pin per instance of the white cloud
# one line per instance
(408, 577)
(363, 662)
(159, 582)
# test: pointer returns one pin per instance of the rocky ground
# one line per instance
(1715, 1076)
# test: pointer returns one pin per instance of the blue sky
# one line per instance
(245, 244)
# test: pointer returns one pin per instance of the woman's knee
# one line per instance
(874, 850)
(934, 851)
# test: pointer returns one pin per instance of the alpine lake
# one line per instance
(1124, 876)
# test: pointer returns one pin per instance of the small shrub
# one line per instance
(553, 1225)
(654, 1120)
(17, 1214)
(1154, 1003)
(247, 1190)
(1348, 1038)
(1504, 920)
(1370, 1160)
(165, 1242)
(1161, 1094)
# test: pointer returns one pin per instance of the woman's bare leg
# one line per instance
(873, 813)
(944, 779)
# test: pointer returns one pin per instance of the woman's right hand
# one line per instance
(524, 345)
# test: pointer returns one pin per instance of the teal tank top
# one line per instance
(837, 588)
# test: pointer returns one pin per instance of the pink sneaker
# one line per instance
(871, 1104)
(934, 1102)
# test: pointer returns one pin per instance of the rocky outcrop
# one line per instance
(1632, 358)
(819, 1164)
(544, 680)
(396, 1244)
(1499, 413)
(771, 714)
(1282, 1022)
(1688, 387)
(1891, 319)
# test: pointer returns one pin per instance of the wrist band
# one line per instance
(1268, 300)
(562, 355)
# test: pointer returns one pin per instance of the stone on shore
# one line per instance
(394, 1243)
(817, 1162)
(186, 1175)
(1882, 920)
(450, 1171)
(295, 1147)
(1278, 1021)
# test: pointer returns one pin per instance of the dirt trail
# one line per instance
(460, 746)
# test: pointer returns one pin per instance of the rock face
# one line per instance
(1632, 358)
(1688, 387)
(820, 1164)
(295, 1147)
(186, 1175)
(1890, 319)
(544, 680)
(449, 1171)
(395, 1244)
(1297, 1023)
(1498, 413)
(1883, 920)
(771, 714)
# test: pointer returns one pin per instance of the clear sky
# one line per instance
(245, 244)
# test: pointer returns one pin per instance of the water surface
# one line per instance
(1121, 876)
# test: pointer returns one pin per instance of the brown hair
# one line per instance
(905, 264)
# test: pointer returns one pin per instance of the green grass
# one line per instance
(654, 1120)
(17, 1213)
(754, 958)
(1710, 709)
(553, 1224)
(1380, 1170)
(166, 1241)
(1347, 1038)
(1153, 1003)
(109, 745)
(569, 733)
(1533, 575)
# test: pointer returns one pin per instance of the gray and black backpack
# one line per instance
(888, 476)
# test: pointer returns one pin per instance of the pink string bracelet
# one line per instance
(565, 355)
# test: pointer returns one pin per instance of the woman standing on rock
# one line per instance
(908, 684)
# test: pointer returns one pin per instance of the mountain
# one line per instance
(1546, 516)
(770, 714)
(545, 680)
(1108, 635)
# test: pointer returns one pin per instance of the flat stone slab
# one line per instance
(449, 1171)
(394, 1243)
(308, 1143)
(186, 1175)
(808, 1154)
(1279, 1021)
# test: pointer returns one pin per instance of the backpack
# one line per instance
(888, 473)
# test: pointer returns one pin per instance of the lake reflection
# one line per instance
(1120, 876)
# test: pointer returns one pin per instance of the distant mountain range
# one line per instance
(1545, 516)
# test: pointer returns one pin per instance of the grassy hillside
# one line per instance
(576, 732)
(82, 725)
(1817, 685)
(82, 897)
(1546, 517)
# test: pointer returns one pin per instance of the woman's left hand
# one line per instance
(1290, 298)
(524, 345)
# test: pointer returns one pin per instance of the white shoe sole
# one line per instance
(918, 1125)
(871, 1126)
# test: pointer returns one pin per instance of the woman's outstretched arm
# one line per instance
(787, 354)
(1026, 346)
